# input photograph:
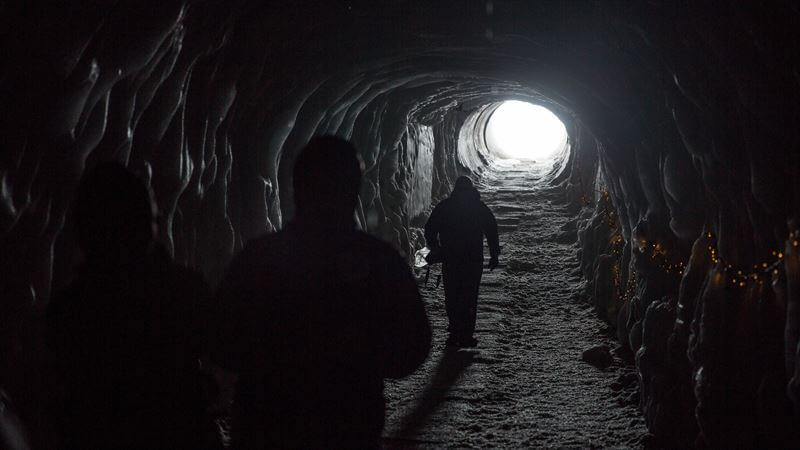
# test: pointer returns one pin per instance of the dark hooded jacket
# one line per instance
(458, 224)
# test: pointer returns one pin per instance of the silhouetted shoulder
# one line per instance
(185, 287)
(444, 204)
(382, 257)
(190, 281)
(378, 246)
(277, 242)
(283, 246)
(440, 213)
(255, 259)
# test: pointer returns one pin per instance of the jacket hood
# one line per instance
(465, 193)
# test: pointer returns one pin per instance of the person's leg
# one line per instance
(462, 307)
(463, 280)
(451, 281)
(471, 289)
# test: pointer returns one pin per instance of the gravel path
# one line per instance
(525, 385)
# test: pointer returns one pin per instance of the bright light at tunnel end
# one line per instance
(524, 131)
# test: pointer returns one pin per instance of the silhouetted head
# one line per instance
(462, 183)
(327, 178)
(114, 214)
(464, 190)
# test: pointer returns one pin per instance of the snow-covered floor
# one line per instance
(525, 385)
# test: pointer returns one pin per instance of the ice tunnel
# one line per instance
(677, 162)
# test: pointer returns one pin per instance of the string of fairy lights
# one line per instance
(739, 276)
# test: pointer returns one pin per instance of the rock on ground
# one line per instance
(598, 356)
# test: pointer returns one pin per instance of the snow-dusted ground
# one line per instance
(525, 385)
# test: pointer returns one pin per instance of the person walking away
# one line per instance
(454, 232)
(313, 318)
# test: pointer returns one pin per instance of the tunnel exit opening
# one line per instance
(526, 132)
(515, 133)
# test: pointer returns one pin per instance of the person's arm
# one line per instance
(403, 327)
(432, 227)
(490, 231)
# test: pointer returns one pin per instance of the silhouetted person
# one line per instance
(454, 232)
(315, 316)
(126, 333)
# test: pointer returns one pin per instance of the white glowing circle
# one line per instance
(521, 130)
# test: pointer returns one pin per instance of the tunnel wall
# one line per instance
(689, 239)
(420, 144)
(682, 169)
(472, 150)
